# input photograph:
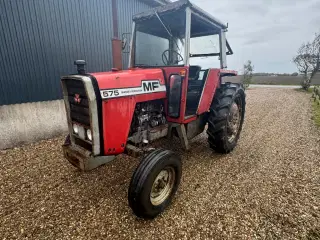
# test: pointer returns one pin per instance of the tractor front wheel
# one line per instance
(154, 183)
(226, 117)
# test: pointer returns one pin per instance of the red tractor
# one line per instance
(160, 95)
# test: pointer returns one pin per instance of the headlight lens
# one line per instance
(89, 134)
(75, 128)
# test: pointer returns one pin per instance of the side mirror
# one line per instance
(124, 43)
(174, 100)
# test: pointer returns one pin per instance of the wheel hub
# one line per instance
(234, 120)
(162, 186)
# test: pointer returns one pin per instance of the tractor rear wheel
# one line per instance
(154, 183)
(226, 117)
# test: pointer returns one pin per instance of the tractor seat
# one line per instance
(194, 72)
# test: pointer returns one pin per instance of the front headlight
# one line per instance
(75, 128)
(89, 134)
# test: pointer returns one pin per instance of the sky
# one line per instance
(267, 32)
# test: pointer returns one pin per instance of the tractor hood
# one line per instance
(127, 78)
(130, 82)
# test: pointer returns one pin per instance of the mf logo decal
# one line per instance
(77, 98)
(150, 86)
(147, 86)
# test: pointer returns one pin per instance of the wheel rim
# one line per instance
(162, 186)
(234, 121)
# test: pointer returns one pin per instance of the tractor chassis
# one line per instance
(83, 159)
(184, 133)
(137, 151)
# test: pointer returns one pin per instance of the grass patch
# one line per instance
(310, 90)
(315, 106)
(316, 112)
(274, 83)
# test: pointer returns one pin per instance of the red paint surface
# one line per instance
(127, 78)
(133, 78)
(209, 91)
(190, 119)
(117, 115)
(117, 112)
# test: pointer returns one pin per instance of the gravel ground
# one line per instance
(268, 187)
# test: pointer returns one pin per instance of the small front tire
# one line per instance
(154, 183)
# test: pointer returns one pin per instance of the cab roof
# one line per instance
(202, 23)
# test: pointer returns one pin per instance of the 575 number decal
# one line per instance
(147, 86)
(110, 93)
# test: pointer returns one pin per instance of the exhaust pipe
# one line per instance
(80, 66)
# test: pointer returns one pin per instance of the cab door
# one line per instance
(177, 86)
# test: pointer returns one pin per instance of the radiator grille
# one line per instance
(79, 108)
(78, 100)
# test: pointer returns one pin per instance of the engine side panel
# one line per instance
(148, 123)
(120, 91)
(117, 114)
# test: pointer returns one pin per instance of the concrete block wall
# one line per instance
(30, 122)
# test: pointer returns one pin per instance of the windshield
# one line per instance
(149, 49)
(153, 50)
(159, 41)
(205, 44)
(201, 46)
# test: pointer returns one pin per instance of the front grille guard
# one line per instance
(93, 110)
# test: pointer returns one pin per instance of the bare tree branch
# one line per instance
(307, 60)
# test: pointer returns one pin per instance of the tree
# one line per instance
(308, 60)
(294, 74)
(247, 74)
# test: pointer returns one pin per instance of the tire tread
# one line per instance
(219, 109)
(140, 176)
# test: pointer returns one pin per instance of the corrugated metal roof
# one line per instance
(155, 3)
(41, 39)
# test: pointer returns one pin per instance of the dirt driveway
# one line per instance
(269, 187)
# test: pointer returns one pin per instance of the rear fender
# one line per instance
(209, 89)
(212, 82)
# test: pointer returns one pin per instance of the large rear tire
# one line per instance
(226, 117)
(154, 183)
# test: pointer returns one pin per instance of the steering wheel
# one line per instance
(165, 59)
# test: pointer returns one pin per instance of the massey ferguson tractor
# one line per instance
(160, 95)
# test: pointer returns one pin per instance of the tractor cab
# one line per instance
(173, 37)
